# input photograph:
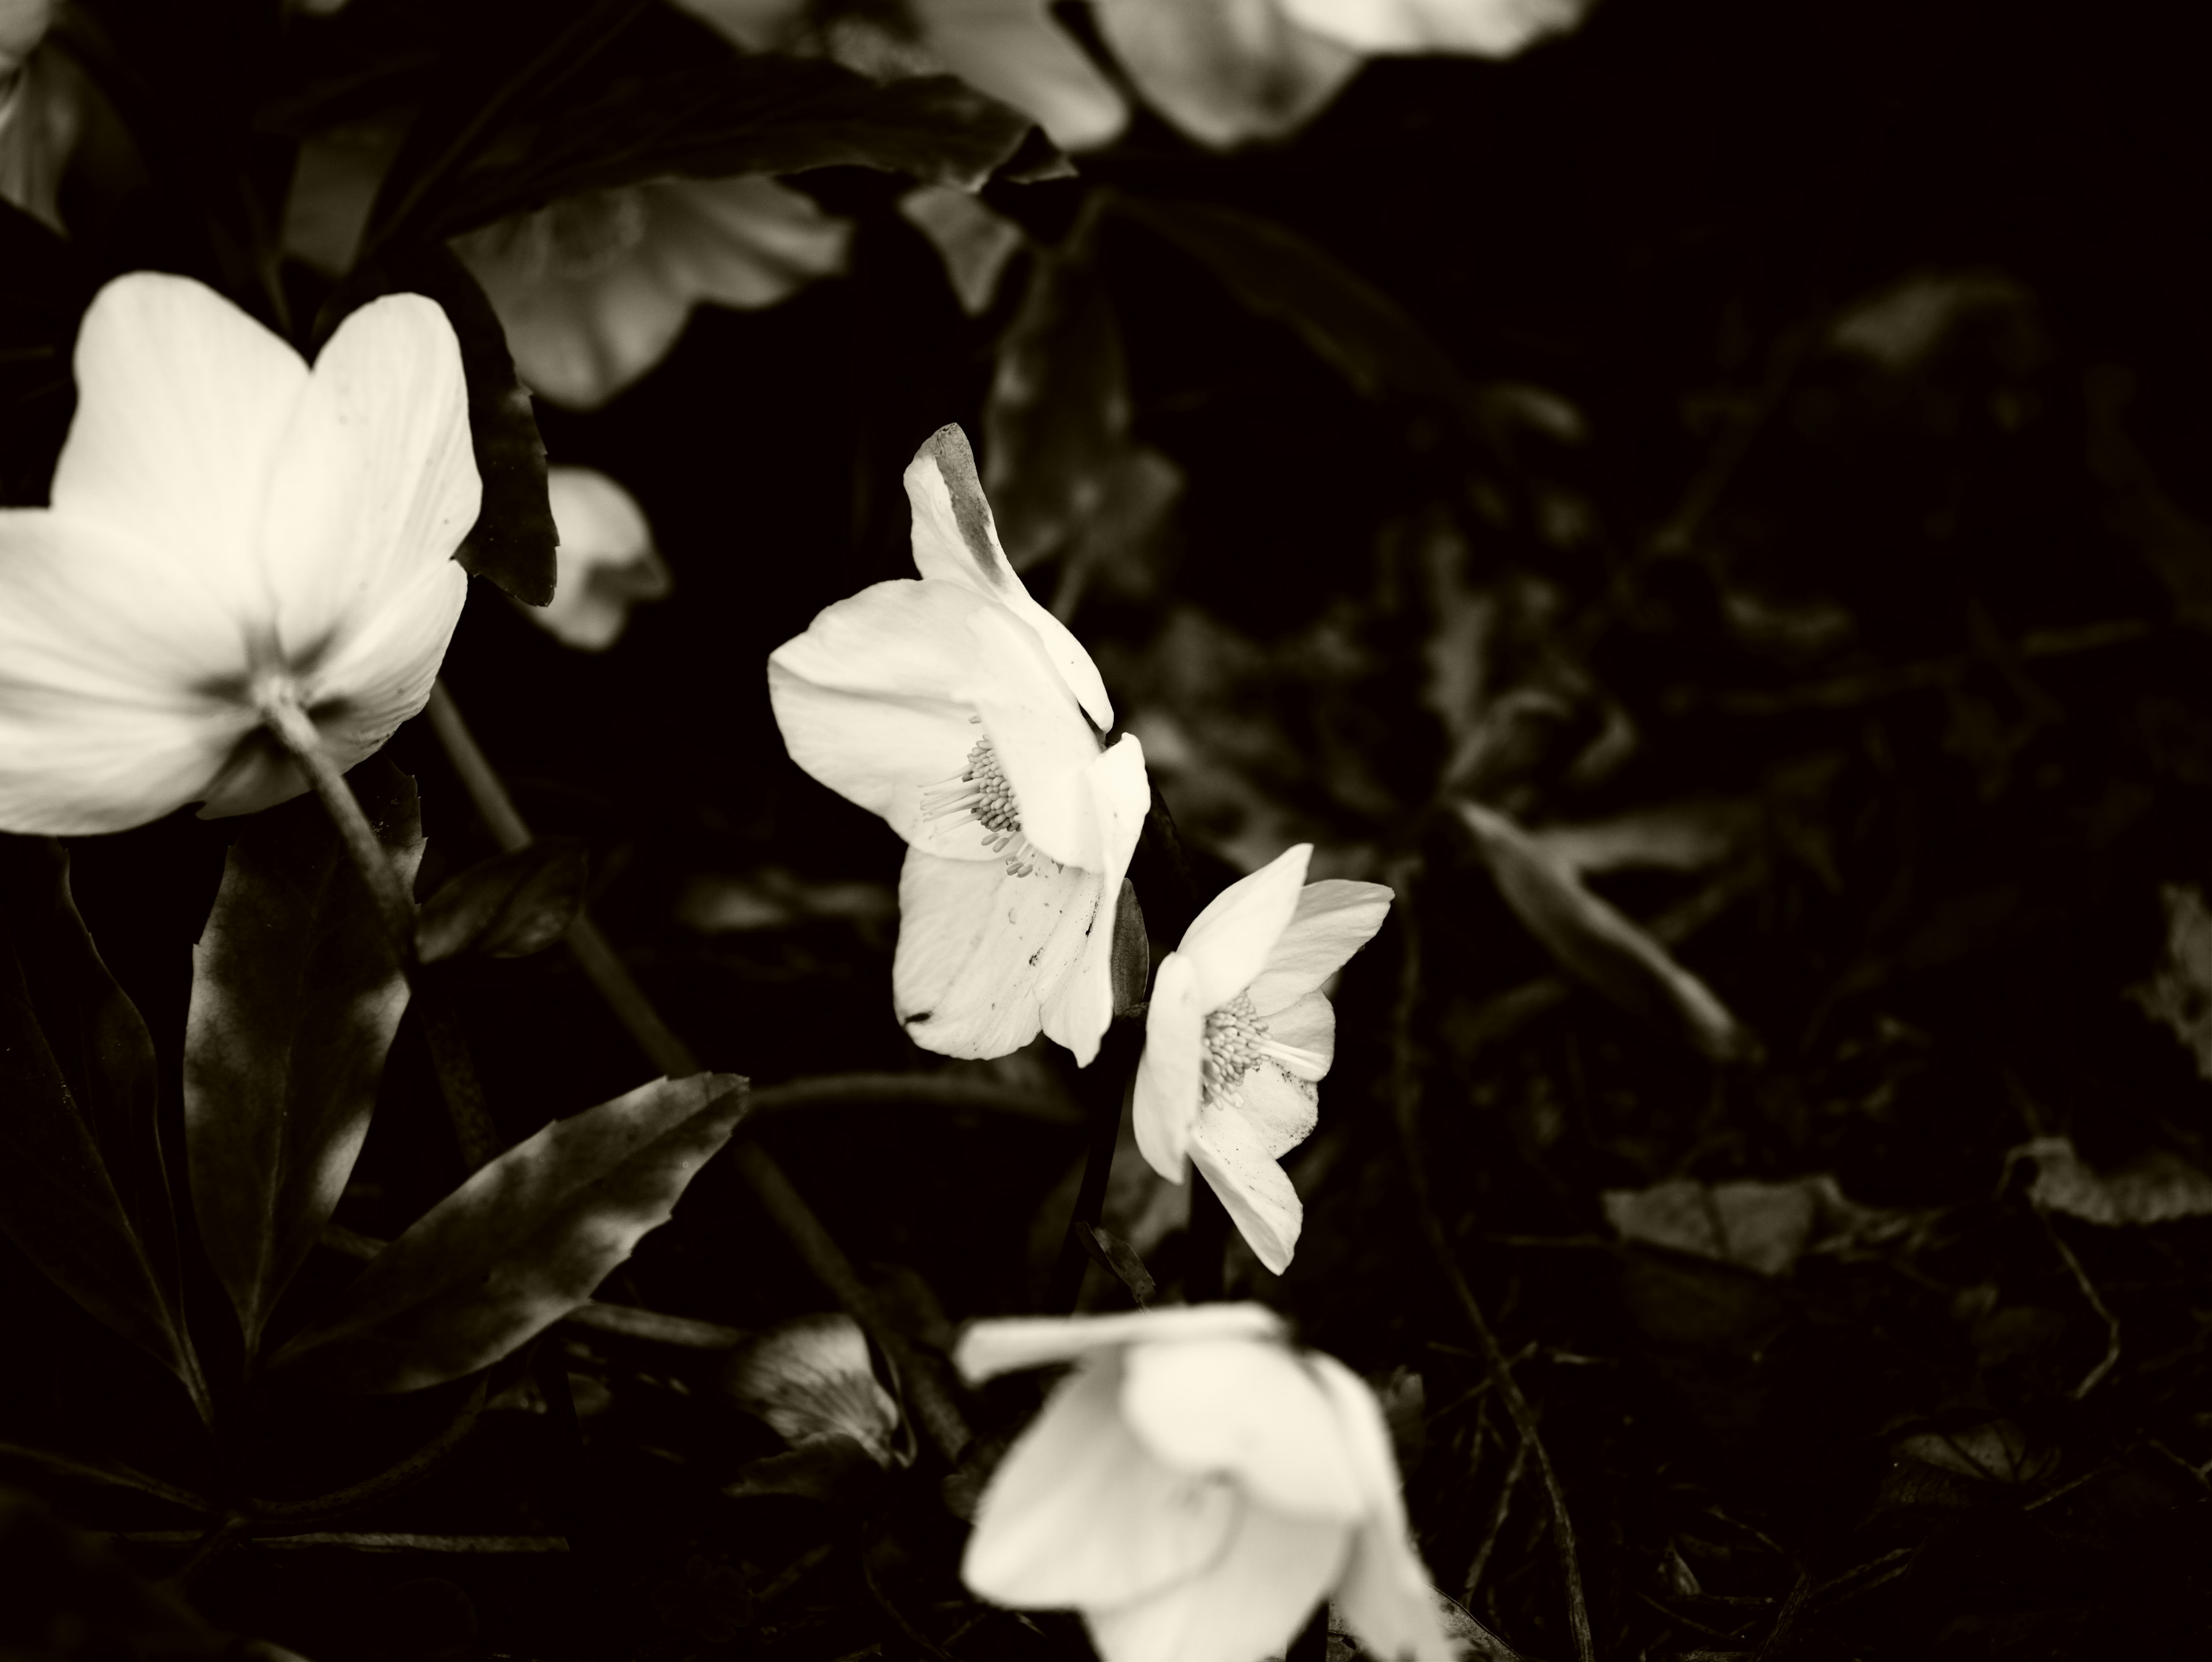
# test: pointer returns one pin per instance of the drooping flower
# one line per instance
(1196, 1488)
(231, 534)
(966, 715)
(606, 560)
(1239, 1030)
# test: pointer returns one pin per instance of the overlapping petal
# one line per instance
(1229, 942)
(1225, 71)
(1165, 1100)
(1249, 1606)
(981, 951)
(1013, 49)
(1078, 1013)
(989, 1349)
(1333, 920)
(1237, 1165)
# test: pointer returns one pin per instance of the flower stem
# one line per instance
(1119, 1053)
(939, 1417)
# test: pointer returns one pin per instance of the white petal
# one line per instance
(607, 562)
(114, 662)
(375, 486)
(1384, 1593)
(1235, 1162)
(989, 1349)
(1078, 1014)
(1277, 1109)
(1247, 1408)
(1167, 1091)
(1483, 29)
(1227, 71)
(981, 951)
(1078, 1513)
(956, 539)
(746, 242)
(1249, 1605)
(1334, 919)
(1013, 51)
(1044, 744)
(873, 700)
(184, 403)
(1309, 1026)
(1229, 942)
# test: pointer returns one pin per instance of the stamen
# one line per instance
(1234, 1039)
(981, 794)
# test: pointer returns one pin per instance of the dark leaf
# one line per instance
(508, 906)
(295, 994)
(60, 1202)
(1132, 952)
(523, 1242)
(1117, 1256)
(829, 1467)
(43, 292)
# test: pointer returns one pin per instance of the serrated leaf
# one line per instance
(1599, 946)
(523, 1242)
(82, 1189)
(508, 906)
(296, 994)
(1132, 959)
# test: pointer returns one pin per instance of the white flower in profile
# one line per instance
(1196, 1488)
(605, 564)
(966, 715)
(233, 538)
(1238, 1032)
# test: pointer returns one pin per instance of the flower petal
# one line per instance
(873, 700)
(112, 661)
(1309, 1026)
(956, 539)
(1235, 1158)
(989, 1349)
(184, 403)
(1385, 1593)
(1249, 1606)
(1166, 1099)
(1247, 1408)
(981, 951)
(1229, 942)
(606, 560)
(1078, 1014)
(1483, 29)
(1225, 74)
(1078, 1513)
(1334, 919)
(1013, 51)
(1044, 744)
(746, 242)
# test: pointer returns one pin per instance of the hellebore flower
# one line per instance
(234, 539)
(1238, 1032)
(1196, 1488)
(966, 715)
(606, 562)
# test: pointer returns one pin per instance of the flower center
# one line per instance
(1235, 1042)
(981, 795)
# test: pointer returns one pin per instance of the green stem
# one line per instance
(1119, 1054)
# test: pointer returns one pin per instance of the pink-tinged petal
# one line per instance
(981, 951)
(874, 700)
(1013, 49)
(1257, 1193)
(1249, 1605)
(1225, 72)
(1078, 1513)
(1044, 746)
(1165, 1103)
(1078, 1014)
(1304, 1037)
(1334, 919)
(374, 487)
(1012, 1344)
(1229, 942)
(184, 405)
(747, 242)
(121, 679)
(1248, 1409)
(956, 539)
(1481, 28)
(1385, 1593)
(606, 560)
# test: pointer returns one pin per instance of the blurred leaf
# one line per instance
(1684, 836)
(508, 906)
(827, 1467)
(68, 1593)
(1765, 1227)
(1996, 1451)
(2157, 1187)
(2178, 995)
(523, 1242)
(1600, 947)
(295, 994)
(2174, 543)
(975, 243)
(1118, 1259)
(76, 1080)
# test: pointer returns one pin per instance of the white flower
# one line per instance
(230, 531)
(606, 560)
(1238, 1031)
(1481, 28)
(967, 716)
(1196, 1488)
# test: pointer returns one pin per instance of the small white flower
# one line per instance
(1238, 1031)
(966, 715)
(230, 530)
(606, 562)
(1196, 1488)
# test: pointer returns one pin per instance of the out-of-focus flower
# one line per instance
(1196, 1488)
(23, 24)
(232, 534)
(1237, 1031)
(1480, 28)
(974, 242)
(812, 1380)
(40, 113)
(1226, 71)
(594, 289)
(607, 560)
(967, 716)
